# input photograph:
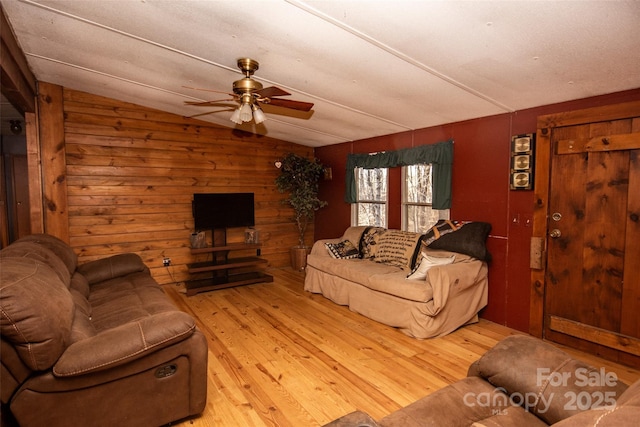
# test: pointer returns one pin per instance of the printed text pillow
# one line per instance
(398, 248)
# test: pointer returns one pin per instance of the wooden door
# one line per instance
(4, 213)
(591, 231)
(20, 174)
(16, 221)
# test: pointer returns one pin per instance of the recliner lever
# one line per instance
(166, 371)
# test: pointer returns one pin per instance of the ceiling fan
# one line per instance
(250, 94)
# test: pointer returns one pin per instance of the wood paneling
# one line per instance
(130, 174)
(36, 211)
(54, 185)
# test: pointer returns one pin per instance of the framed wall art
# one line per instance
(522, 161)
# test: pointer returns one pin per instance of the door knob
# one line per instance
(555, 233)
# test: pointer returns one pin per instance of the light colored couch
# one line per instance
(450, 296)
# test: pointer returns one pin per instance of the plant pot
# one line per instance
(299, 257)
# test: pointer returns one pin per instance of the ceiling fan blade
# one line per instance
(287, 103)
(270, 91)
(271, 109)
(208, 90)
(207, 103)
(209, 112)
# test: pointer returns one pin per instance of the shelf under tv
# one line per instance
(223, 271)
(199, 267)
(228, 281)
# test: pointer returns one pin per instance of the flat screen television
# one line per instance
(223, 210)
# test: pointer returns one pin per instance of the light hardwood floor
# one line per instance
(280, 356)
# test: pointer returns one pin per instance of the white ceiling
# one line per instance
(370, 67)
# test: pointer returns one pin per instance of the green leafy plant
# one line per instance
(300, 176)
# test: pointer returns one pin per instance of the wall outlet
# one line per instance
(166, 262)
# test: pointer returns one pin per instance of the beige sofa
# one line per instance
(99, 344)
(377, 286)
(521, 381)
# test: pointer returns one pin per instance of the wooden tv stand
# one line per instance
(225, 272)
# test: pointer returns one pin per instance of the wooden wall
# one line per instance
(131, 173)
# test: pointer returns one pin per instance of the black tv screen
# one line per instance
(223, 210)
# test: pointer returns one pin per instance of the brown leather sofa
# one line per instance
(521, 381)
(98, 344)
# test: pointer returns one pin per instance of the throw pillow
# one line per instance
(441, 228)
(398, 248)
(342, 250)
(469, 239)
(420, 272)
(369, 241)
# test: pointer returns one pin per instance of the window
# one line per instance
(371, 198)
(418, 214)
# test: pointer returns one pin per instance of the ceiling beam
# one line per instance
(18, 82)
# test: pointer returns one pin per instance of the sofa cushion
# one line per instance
(81, 328)
(80, 302)
(626, 412)
(135, 339)
(80, 284)
(469, 239)
(60, 248)
(40, 253)
(397, 248)
(396, 284)
(111, 267)
(127, 299)
(631, 396)
(353, 270)
(36, 311)
(547, 378)
(470, 401)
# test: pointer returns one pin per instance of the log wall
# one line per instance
(131, 173)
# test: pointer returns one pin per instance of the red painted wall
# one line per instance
(480, 193)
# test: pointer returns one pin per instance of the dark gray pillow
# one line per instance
(470, 239)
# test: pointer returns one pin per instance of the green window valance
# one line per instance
(439, 155)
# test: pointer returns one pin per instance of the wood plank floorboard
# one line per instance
(280, 356)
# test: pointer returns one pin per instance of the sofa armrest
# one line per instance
(546, 380)
(451, 279)
(320, 249)
(111, 267)
(353, 234)
(124, 343)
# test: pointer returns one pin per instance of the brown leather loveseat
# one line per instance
(96, 344)
(521, 381)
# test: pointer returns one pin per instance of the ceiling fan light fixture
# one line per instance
(250, 94)
(235, 117)
(258, 114)
(245, 113)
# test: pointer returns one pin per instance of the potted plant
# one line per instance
(300, 176)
